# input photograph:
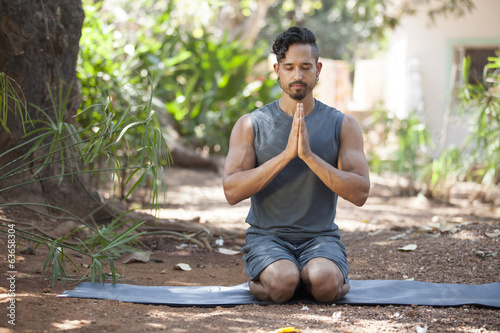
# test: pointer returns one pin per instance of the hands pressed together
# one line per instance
(298, 141)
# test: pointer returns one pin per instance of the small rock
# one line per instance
(29, 250)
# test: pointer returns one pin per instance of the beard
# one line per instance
(299, 94)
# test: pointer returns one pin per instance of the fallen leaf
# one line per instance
(409, 247)
(442, 225)
(493, 234)
(421, 329)
(228, 251)
(486, 254)
(403, 235)
(182, 267)
(337, 315)
(425, 229)
(137, 256)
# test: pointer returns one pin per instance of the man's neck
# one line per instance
(289, 105)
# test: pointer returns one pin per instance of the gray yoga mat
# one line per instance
(363, 292)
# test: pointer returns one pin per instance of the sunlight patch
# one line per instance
(71, 324)
(156, 325)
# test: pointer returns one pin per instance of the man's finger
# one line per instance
(300, 110)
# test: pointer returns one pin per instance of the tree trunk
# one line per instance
(39, 43)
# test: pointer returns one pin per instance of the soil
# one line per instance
(463, 250)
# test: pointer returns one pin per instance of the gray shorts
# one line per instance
(262, 250)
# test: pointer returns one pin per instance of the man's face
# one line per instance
(298, 71)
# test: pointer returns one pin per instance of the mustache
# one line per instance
(297, 82)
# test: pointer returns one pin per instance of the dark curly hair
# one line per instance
(294, 35)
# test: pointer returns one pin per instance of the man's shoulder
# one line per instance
(265, 112)
(328, 113)
(266, 108)
(326, 108)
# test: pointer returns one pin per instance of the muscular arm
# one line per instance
(351, 180)
(241, 178)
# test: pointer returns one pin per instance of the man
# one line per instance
(293, 157)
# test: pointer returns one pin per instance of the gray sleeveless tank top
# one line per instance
(296, 205)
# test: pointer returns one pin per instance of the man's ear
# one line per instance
(276, 67)
(319, 65)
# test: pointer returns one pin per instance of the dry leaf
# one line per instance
(400, 236)
(442, 225)
(493, 234)
(424, 229)
(137, 257)
(228, 251)
(337, 315)
(486, 254)
(421, 329)
(182, 267)
(409, 247)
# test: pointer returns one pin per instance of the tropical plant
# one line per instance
(443, 173)
(10, 101)
(207, 84)
(404, 148)
(481, 101)
(202, 81)
(53, 141)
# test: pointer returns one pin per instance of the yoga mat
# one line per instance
(363, 292)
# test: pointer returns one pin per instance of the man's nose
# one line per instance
(297, 74)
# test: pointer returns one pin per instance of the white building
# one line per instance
(423, 65)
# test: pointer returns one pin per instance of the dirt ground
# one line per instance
(463, 250)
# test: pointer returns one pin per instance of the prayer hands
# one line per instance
(298, 141)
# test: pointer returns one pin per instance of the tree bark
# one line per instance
(39, 43)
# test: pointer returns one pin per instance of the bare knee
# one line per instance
(328, 292)
(277, 282)
(282, 288)
(324, 283)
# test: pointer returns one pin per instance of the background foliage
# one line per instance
(201, 84)
(204, 77)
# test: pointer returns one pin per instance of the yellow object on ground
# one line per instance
(288, 330)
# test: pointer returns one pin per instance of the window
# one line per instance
(478, 59)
